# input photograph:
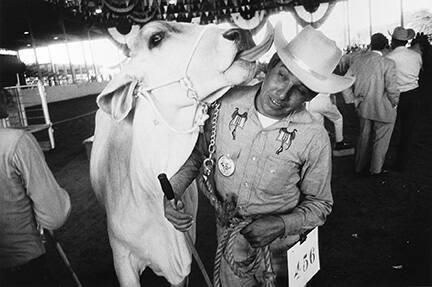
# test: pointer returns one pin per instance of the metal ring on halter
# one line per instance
(187, 83)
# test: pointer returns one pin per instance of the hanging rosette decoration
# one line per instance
(312, 12)
(145, 11)
(251, 15)
(120, 6)
(136, 11)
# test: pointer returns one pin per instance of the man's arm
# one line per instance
(317, 200)
(390, 81)
(180, 181)
(189, 170)
(51, 203)
(348, 93)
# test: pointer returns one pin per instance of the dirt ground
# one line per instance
(379, 233)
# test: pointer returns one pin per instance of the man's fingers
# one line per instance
(180, 205)
(182, 223)
(180, 220)
(177, 216)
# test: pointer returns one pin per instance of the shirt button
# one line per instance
(155, 122)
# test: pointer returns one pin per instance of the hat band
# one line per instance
(305, 67)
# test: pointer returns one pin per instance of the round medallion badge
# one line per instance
(226, 165)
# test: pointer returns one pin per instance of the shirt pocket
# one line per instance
(278, 174)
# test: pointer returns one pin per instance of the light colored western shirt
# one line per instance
(408, 65)
(294, 183)
(29, 195)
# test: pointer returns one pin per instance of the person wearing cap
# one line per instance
(30, 197)
(376, 97)
(272, 158)
(408, 65)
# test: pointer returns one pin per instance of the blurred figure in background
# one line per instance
(322, 106)
(408, 65)
(376, 96)
(30, 198)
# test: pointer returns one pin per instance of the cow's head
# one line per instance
(165, 52)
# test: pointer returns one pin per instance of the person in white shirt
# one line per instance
(322, 106)
(408, 65)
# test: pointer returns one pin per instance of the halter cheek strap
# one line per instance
(191, 93)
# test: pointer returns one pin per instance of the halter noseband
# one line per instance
(184, 81)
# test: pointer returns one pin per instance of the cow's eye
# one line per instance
(156, 39)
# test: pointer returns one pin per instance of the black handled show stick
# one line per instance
(169, 193)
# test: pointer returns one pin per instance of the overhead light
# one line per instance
(8, 52)
(26, 33)
(98, 11)
(28, 45)
(55, 38)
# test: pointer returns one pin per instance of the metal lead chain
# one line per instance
(209, 161)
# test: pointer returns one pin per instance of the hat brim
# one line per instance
(331, 84)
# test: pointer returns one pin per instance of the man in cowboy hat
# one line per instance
(272, 158)
(408, 65)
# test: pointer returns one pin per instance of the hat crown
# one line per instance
(312, 57)
(400, 33)
(317, 52)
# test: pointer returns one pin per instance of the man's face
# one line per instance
(281, 93)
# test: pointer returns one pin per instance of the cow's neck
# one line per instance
(174, 108)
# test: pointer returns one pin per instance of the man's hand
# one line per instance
(263, 231)
(181, 221)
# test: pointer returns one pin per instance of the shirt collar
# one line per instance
(400, 48)
(299, 116)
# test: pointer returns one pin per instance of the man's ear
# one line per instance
(117, 98)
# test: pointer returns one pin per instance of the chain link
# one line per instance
(209, 161)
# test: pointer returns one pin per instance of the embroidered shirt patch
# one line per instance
(285, 137)
(237, 120)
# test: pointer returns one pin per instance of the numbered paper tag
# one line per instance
(303, 260)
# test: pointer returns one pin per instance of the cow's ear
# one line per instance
(117, 98)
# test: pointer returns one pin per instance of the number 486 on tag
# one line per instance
(303, 260)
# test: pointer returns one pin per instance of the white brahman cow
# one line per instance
(148, 124)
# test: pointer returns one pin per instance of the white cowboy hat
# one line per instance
(312, 57)
(400, 33)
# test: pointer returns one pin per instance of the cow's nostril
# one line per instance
(233, 34)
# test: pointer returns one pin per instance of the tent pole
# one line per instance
(370, 18)
(401, 13)
(66, 41)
